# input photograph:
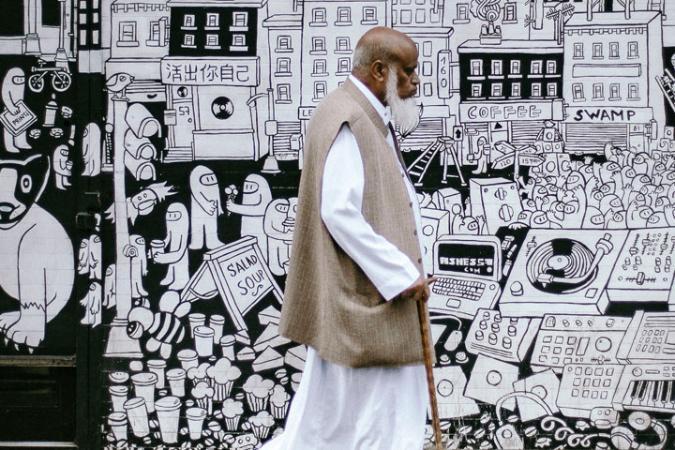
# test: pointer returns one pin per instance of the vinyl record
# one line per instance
(561, 259)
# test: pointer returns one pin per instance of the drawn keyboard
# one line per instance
(469, 289)
(462, 296)
(649, 387)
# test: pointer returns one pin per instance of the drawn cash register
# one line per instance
(468, 269)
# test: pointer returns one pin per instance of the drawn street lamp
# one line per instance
(61, 58)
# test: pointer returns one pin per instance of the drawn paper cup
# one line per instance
(227, 346)
(216, 323)
(118, 377)
(196, 320)
(168, 413)
(195, 420)
(118, 425)
(118, 395)
(204, 341)
(156, 246)
(144, 387)
(176, 378)
(157, 367)
(138, 416)
(187, 358)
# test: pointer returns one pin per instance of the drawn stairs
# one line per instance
(419, 167)
(667, 85)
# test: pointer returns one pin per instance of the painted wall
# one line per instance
(556, 330)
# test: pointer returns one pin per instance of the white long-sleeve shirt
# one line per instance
(343, 408)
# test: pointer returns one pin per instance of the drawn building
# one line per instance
(610, 80)
(140, 38)
(330, 29)
(212, 74)
(423, 21)
(40, 28)
(507, 91)
(285, 42)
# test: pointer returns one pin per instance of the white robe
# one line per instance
(373, 408)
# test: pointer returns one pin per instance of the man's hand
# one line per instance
(419, 291)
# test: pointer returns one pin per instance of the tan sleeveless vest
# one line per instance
(329, 303)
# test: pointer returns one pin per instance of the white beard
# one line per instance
(404, 111)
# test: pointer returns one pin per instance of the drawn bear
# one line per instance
(37, 265)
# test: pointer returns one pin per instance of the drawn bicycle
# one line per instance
(60, 77)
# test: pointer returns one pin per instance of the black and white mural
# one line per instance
(544, 163)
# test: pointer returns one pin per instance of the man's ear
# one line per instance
(378, 71)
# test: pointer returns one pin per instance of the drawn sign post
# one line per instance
(239, 273)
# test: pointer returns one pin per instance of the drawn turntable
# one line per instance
(558, 273)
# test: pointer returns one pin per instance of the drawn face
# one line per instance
(144, 201)
(250, 187)
(21, 183)
(208, 179)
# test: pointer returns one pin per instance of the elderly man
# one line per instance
(356, 265)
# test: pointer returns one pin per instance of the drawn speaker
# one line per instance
(669, 132)
(555, 164)
(497, 200)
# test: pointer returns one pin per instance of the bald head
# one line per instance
(380, 44)
(383, 53)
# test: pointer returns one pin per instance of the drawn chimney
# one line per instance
(589, 10)
(626, 9)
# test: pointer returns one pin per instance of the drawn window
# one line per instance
(598, 91)
(476, 67)
(614, 91)
(633, 49)
(342, 44)
(369, 16)
(212, 41)
(319, 67)
(427, 68)
(283, 43)
(240, 19)
(535, 67)
(578, 91)
(420, 15)
(344, 16)
(497, 67)
(633, 92)
(95, 37)
(189, 40)
(283, 93)
(597, 50)
(127, 33)
(476, 89)
(83, 19)
(515, 90)
(318, 16)
(238, 42)
(426, 49)
(536, 89)
(283, 66)
(343, 65)
(462, 13)
(551, 67)
(406, 17)
(578, 50)
(153, 38)
(613, 49)
(515, 67)
(510, 14)
(318, 44)
(189, 21)
(552, 89)
(428, 89)
(83, 37)
(319, 90)
(212, 20)
(497, 89)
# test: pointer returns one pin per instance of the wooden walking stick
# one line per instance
(422, 314)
